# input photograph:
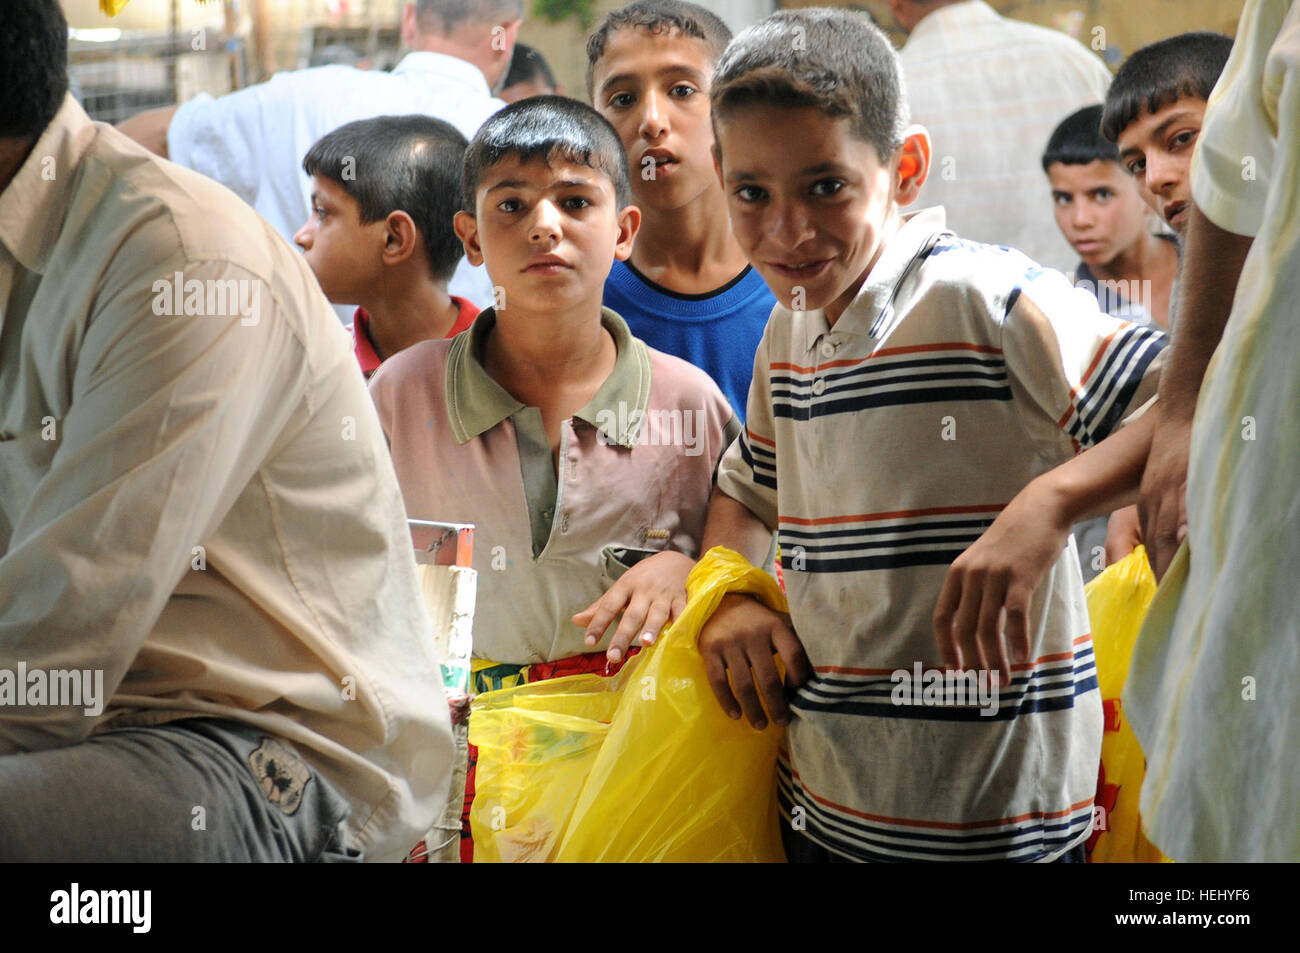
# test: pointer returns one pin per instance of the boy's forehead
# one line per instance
(635, 52)
(807, 138)
(542, 173)
(1078, 175)
(1147, 125)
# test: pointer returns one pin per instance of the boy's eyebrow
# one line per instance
(1159, 131)
(666, 70)
(561, 184)
(743, 175)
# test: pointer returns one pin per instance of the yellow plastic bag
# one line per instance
(669, 778)
(1117, 603)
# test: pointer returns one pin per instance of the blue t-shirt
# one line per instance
(718, 332)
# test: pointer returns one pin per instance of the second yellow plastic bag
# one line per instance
(1117, 603)
(643, 766)
(676, 779)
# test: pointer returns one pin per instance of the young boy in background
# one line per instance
(1153, 113)
(384, 192)
(584, 458)
(687, 288)
(1102, 215)
(918, 385)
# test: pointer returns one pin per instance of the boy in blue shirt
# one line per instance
(687, 290)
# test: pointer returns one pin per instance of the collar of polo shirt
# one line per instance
(476, 403)
(871, 310)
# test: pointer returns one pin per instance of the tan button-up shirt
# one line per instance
(195, 496)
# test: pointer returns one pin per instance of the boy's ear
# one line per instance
(466, 226)
(913, 166)
(716, 153)
(401, 238)
(629, 223)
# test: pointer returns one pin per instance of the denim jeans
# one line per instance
(196, 789)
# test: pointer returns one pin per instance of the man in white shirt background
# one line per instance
(253, 140)
(990, 90)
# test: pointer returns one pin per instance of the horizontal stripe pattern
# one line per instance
(759, 455)
(1048, 684)
(862, 836)
(882, 540)
(942, 372)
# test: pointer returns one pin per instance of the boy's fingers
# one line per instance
(630, 626)
(606, 608)
(967, 618)
(742, 686)
(797, 667)
(716, 669)
(944, 611)
(654, 622)
(770, 687)
(1017, 623)
(987, 633)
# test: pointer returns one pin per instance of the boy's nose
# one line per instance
(788, 226)
(302, 237)
(1161, 174)
(653, 121)
(546, 223)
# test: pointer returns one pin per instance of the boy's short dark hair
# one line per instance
(1161, 73)
(1078, 140)
(544, 127)
(526, 64)
(658, 16)
(409, 164)
(33, 65)
(832, 60)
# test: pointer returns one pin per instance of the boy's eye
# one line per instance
(320, 212)
(1136, 167)
(681, 90)
(1060, 198)
(750, 193)
(621, 100)
(1102, 195)
(1184, 138)
(826, 187)
(576, 202)
(509, 205)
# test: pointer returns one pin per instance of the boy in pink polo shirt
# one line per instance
(584, 458)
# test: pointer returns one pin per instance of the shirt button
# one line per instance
(564, 523)
(547, 514)
(819, 385)
(827, 348)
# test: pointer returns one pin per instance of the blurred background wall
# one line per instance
(157, 52)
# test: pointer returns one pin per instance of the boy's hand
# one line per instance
(1123, 534)
(997, 574)
(743, 635)
(650, 594)
(1163, 498)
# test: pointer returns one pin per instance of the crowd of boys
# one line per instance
(714, 321)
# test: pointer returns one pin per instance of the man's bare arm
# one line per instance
(1212, 263)
(149, 128)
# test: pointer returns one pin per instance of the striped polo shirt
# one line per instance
(878, 450)
(633, 477)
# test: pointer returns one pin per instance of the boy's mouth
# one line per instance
(663, 160)
(801, 270)
(1176, 210)
(547, 265)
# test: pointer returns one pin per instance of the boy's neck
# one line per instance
(689, 249)
(833, 311)
(404, 313)
(541, 357)
(1149, 257)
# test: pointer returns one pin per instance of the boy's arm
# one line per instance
(743, 634)
(1001, 570)
(1211, 266)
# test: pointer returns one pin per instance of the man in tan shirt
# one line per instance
(212, 643)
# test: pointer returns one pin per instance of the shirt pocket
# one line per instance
(616, 560)
(24, 460)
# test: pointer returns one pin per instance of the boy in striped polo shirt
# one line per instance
(908, 386)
